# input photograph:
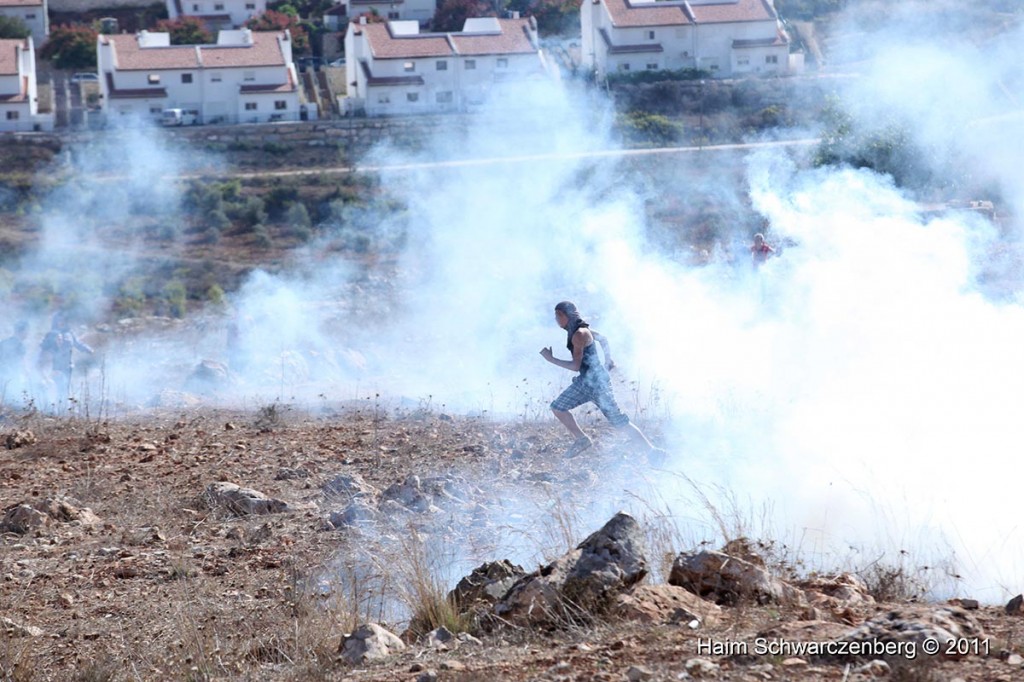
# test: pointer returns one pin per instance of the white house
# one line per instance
(392, 68)
(19, 100)
(32, 12)
(727, 38)
(216, 14)
(392, 10)
(247, 77)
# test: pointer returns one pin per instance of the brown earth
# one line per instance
(160, 584)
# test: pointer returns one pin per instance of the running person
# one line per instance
(592, 384)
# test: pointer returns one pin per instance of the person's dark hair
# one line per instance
(569, 309)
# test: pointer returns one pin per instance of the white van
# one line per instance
(179, 117)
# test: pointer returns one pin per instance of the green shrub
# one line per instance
(638, 126)
(176, 296)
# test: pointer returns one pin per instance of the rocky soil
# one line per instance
(294, 546)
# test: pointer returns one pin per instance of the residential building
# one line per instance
(246, 77)
(392, 68)
(726, 38)
(32, 12)
(216, 14)
(392, 10)
(19, 99)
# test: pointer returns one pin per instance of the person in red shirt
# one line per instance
(761, 250)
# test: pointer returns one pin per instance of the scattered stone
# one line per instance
(583, 582)
(969, 604)
(666, 604)
(1015, 660)
(12, 629)
(441, 638)
(466, 638)
(877, 668)
(369, 642)
(348, 487)
(21, 519)
(355, 514)
(730, 580)
(427, 676)
(452, 665)
(408, 494)
(943, 624)
(638, 673)
(701, 667)
(208, 376)
(19, 439)
(66, 600)
(60, 509)
(290, 474)
(1013, 607)
(242, 501)
(488, 583)
(793, 662)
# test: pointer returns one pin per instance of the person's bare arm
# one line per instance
(605, 348)
(579, 342)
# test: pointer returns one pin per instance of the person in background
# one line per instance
(56, 357)
(591, 384)
(761, 250)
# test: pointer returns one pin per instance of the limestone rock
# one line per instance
(19, 439)
(666, 604)
(242, 501)
(369, 642)
(62, 510)
(729, 580)
(348, 487)
(943, 623)
(357, 513)
(488, 583)
(21, 519)
(583, 582)
(12, 629)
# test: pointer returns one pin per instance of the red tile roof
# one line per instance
(730, 12)
(133, 93)
(388, 80)
(264, 51)
(625, 14)
(512, 39)
(21, 3)
(9, 56)
(383, 45)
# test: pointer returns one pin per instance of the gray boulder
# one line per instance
(729, 580)
(369, 642)
(487, 584)
(582, 583)
(242, 501)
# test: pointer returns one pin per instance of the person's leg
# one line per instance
(605, 401)
(573, 396)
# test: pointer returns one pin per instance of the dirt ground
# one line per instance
(158, 584)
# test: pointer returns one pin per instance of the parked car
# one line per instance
(85, 78)
(337, 62)
(179, 117)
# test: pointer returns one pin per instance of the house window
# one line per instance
(12, 115)
(248, 75)
(442, 65)
(280, 104)
(409, 66)
(393, 15)
(502, 63)
(444, 97)
(412, 96)
(771, 59)
(195, 8)
(250, 5)
(743, 61)
(383, 99)
(156, 111)
(215, 78)
(30, 17)
(250, 106)
(650, 35)
(154, 79)
(623, 67)
(218, 7)
(470, 64)
(686, 53)
(186, 78)
(652, 67)
(713, 67)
